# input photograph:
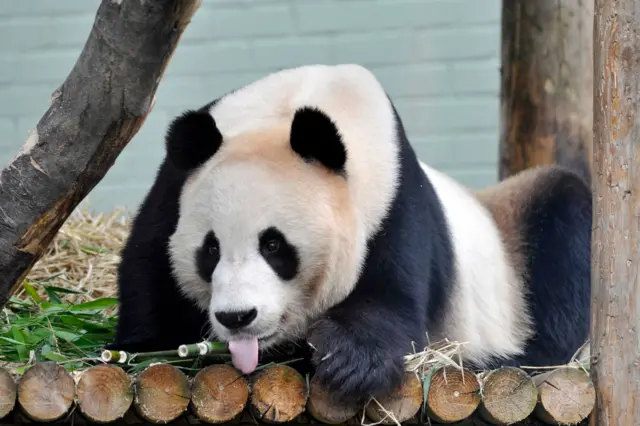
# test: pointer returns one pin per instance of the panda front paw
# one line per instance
(352, 367)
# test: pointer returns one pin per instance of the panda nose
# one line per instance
(236, 319)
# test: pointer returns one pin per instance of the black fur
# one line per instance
(153, 313)
(365, 338)
(284, 258)
(208, 256)
(316, 138)
(558, 241)
(192, 139)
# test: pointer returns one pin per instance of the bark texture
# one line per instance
(615, 308)
(546, 85)
(92, 116)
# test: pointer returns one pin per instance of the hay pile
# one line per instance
(84, 256)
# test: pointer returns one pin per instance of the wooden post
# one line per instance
(546, 85)
(92, 117)
(615, 308)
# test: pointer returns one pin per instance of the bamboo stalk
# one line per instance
(219, 394)
(215, 350)
(105, 393)
(46, 392)
(124, 357)
(162, 393)
(202, 349)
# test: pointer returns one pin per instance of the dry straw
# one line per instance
(84, 256)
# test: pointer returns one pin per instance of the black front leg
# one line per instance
(359, 351)
(153, 313)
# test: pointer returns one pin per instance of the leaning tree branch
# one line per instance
(93, 116)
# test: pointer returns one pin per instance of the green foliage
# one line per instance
(33, 329)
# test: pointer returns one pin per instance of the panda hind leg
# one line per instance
(558, 237)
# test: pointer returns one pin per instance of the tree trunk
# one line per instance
(615, 308)
(546, 85)
(93, 115)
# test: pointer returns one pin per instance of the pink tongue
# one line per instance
(244, 354)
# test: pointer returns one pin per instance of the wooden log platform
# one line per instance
(278, 394)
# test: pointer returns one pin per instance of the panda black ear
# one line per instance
(192, 139)
(315, 137)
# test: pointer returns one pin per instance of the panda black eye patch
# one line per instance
(279, 253)
(208, 256)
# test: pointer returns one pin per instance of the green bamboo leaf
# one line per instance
(92, 249)
(18, 336)
(65, 290)
(9, 340)
(53, 296)
(103, 303)
(66, 335)
(49, 354)
(51, 308)
(31, 292)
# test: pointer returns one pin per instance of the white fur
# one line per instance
(237, 199)
(238, 212)
(350, 95)
(487, 310)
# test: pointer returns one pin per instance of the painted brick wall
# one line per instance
(439, 60)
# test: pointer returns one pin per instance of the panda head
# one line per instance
(265, 219)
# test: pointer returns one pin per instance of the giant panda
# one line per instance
(295, 209)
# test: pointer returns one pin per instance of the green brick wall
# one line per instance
(438, 59)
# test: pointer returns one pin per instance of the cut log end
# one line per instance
(454, 394)
(162, 393)
(566, 396)
(400, 406)
(104, 394)
(8, 393)
(219, 394)
(322, 407)
(279, 394)
(46, 392)
(509, 396)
